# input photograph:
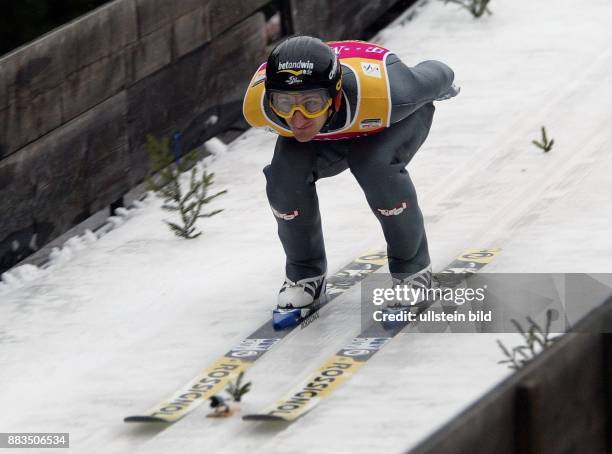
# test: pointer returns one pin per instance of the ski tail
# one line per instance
(305, 396)
(206, 384)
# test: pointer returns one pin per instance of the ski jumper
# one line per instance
(385, 116)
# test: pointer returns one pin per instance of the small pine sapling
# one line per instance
(166, 168)
(535, 340)
(544, 144)
(476, 7)
(236, 389)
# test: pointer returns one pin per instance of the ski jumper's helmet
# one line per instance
(304, 63)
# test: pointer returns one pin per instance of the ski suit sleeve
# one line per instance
(412, 88)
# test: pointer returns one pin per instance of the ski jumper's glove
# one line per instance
(451, 93)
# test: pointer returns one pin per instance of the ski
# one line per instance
(218, 375)
(345, 363)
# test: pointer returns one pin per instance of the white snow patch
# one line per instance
(216, 148)
(20, 275)
(212, 120)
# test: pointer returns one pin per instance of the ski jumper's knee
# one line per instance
(290, 179)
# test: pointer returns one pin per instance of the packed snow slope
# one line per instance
(117, 323)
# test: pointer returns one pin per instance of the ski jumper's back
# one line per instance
(377, 91)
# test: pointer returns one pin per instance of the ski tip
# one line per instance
(263, 417)
(141, 418)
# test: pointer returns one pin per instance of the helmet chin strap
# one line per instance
(334, 109)
(337, 101)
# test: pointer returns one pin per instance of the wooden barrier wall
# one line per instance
(76, 104)
(561, 402)
(337, 19)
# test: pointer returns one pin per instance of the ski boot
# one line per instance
(297, 300)
(412, 290)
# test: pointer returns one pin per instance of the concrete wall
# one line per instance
(76, 105)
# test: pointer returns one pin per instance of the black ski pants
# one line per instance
(378, 162)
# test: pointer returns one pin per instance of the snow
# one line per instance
(215, 147)
(113, 324)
